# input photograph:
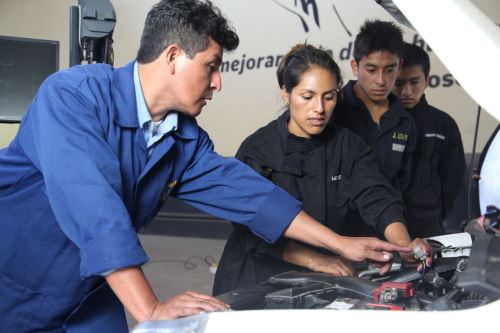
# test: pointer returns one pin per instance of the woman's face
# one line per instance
(311, 102)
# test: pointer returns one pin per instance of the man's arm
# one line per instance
(305, 229)
(133, 290)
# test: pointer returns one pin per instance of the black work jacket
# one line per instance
(330, 174)
(394, 139)
(439, 171)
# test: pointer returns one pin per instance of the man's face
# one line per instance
(197, 78)
(376, 74)
(410, 86)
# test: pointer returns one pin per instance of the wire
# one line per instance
(469, 190)
(188, 263)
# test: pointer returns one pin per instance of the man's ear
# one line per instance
(170, 56)
(354, 67)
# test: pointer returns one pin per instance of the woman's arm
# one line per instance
(397, 233)
(299, 255)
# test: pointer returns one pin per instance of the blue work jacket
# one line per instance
(76, 185)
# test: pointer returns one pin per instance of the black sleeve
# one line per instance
(451, 169)
(379, 204)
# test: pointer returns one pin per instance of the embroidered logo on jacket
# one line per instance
(435, 135)
(400, 136)
(167, 190)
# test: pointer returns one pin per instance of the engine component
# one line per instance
(393, 292)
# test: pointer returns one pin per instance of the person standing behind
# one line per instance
(439, 162)
(370, 110)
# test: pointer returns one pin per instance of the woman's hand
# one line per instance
(396, 233)
(332, 264)
(420, 248)
(317, 262)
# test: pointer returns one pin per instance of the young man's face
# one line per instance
(410, 86)
(376, 74)
(197, 78)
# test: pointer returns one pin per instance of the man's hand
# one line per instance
(131, 287)
(187, 304)
(372, 249)
(305, 229)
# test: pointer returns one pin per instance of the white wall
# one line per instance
(250, 99)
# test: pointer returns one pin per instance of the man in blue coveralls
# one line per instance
(98, 152)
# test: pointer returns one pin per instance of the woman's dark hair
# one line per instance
(299, 60)
(187, 23)
(378, 36)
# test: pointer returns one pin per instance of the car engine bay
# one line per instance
(464, 274)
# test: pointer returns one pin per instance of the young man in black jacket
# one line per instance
(370, 110)
(439, 162)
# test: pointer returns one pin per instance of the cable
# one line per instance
(469, 189)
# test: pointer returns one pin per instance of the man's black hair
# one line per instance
(187, 23)
(414, 55)
(378, 36)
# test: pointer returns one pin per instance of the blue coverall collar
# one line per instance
(125, 103)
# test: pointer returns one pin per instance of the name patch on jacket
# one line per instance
(435, 135)
(400, 136)
(398, 147)
(336, 178)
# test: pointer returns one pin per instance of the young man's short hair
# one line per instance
(378, 36)
(414, 55)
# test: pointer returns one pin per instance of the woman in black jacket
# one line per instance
(327, 167)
